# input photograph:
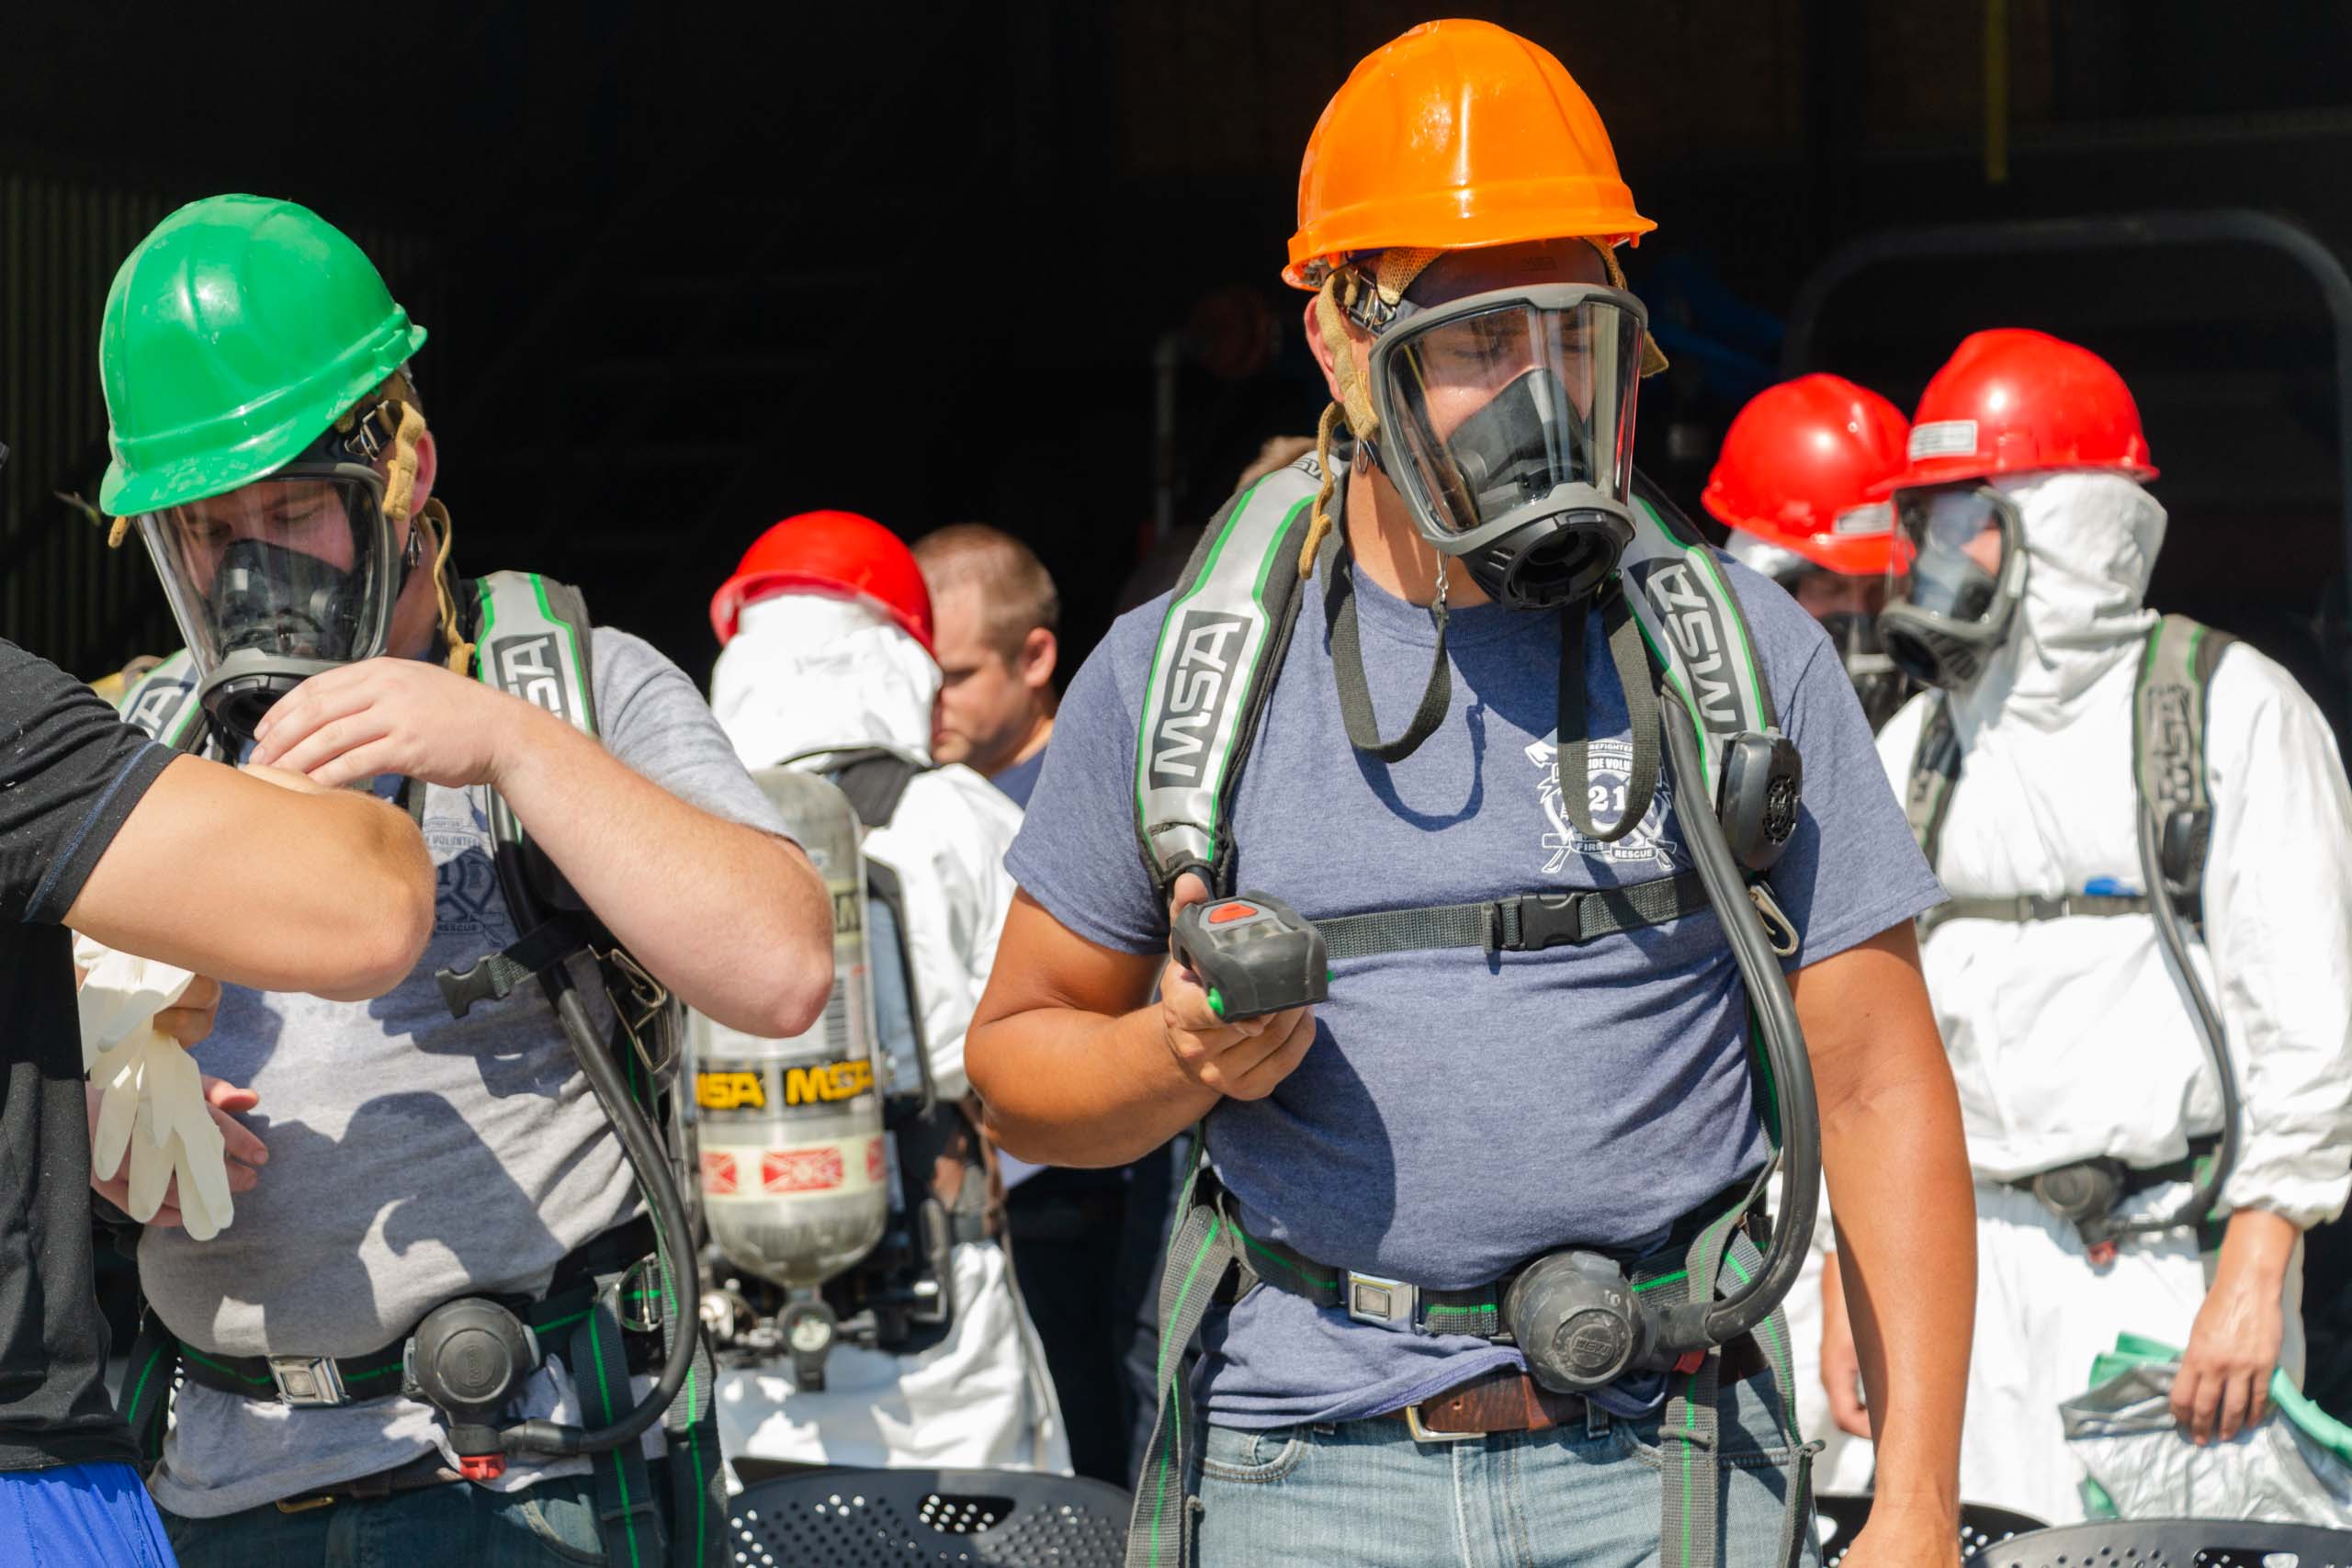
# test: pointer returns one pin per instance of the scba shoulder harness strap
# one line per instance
(1222, 643)
(2168, 715)
(532, 638)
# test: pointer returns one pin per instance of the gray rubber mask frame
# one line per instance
(1507, 422)
(1947, 609)
(277, 580)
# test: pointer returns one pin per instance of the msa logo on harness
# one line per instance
(526, 667)
(1193, 703)
(151, 708)
(2171, 726)
(1693, 620)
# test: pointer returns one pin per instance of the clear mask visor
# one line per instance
(1952, 543)
(298, 565)
(1505, 404)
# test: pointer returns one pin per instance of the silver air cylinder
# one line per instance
(795, 1172)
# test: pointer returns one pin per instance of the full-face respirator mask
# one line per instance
(283, 578)
(1506, 421)
(1955, 581)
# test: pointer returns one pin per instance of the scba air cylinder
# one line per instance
(795, 1173)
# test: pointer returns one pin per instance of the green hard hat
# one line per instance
(234, 335)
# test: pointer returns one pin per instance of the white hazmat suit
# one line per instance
(2069, 1038)
(807, 677)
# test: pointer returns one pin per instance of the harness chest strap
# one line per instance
(2169, 701)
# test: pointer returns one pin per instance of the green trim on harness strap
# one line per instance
(1159, 1535)
(1696, 633)
(625, 1498)
(1220, 642)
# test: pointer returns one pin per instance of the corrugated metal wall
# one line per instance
(62, 594)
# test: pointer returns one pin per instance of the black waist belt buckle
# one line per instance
(1534, 922)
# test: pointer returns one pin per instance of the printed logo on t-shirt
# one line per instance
(1609, 766)
(466, 883)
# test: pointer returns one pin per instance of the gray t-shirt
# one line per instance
(1460, 1112)
(414, 1157)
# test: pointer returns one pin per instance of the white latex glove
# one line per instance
(152, 1105)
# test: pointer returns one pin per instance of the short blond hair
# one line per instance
(1017, 593)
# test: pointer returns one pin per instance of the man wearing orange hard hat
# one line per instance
(1476, 806)
(1792, 483)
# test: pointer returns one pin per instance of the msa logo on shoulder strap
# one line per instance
(1694, 623)
(1697, 638)
(2168, 743)
(162, 704)
(1223, 639)
(525, 666)
(531, 640)
(1193, 700)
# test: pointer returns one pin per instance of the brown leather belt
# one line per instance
(426, 1470)
(1508, 1400)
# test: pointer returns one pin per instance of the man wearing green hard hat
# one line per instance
(419, 1341)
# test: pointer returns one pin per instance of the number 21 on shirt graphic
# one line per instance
(1608, 766)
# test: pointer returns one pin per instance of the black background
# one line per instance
(689, 270)
(687, 274)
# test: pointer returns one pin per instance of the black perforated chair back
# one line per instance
(902, 1519)
(2174, 1544)
(1842, 1516)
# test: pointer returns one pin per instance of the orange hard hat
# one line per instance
(1456, 135)
(836, 553)
(1797, 468)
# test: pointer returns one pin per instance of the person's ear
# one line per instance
(1321, 348)
(1040, 651)
(428, 466)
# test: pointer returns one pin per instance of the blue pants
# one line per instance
(1585, 1495)
(79, 1516)
(551, 1525)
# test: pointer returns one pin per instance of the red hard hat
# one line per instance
(1797, 468)
(838, 553)
(2010, 401)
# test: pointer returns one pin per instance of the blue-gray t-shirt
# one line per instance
(1460, 1112)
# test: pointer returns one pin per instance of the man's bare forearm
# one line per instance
(654, 868)
(1067, 1087)
(1906, 1216)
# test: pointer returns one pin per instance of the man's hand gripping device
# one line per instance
(1254, 955)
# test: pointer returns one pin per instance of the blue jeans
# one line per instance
(551, 1525)
(1585, 1495)
(79, 1515)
